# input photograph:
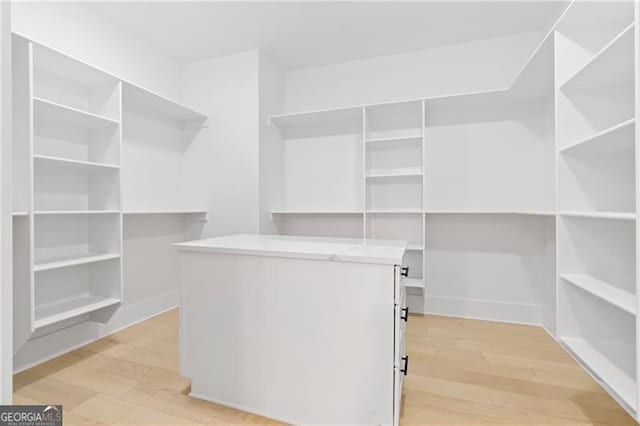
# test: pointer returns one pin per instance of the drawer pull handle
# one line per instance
(404, 314)
(406, 365)
(404, 271)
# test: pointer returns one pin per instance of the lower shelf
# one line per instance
(623, 385)
(414, 285)
(70, 308)
(609, 293)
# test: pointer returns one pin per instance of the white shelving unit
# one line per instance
(537, 180)
(71, 122)
(596, 167)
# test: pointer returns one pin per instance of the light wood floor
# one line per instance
(462, 372)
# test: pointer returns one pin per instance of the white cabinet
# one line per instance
(304, 330)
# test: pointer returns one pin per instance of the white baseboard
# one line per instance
(41, 349)
(516, 313)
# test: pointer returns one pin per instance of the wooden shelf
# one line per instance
(72, 212)
(613, 64)
(76, 164)
(73, 116)
(72, 261)
(617, 297)
(161, 105)
(52, 313)
(616, 138)
(600, 215)
(612, 375)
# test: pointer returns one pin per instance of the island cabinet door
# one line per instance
(401, 317)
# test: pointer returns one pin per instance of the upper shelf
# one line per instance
(349, 118)
(142, 98)
(613, 64)
(616, 138)
(55, 111)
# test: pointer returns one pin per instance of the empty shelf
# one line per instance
(19, 214)
(150, 101)
(72, 261)
(616, 138)
(67, 212)
(73, 116)
(76, 164)
(600, 215)
(185, 211)
(316, 212)
(414, 247)
(609, 293)
(394, 173)
(490, 212)
(394, 211)
(414, 285)
(311, 118)
(613, 64)
(55, 312)
(609, 373)
(397, 139)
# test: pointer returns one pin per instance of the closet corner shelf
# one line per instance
(77, 164)
(612, 64)
(607, 292)
(619, 138)
(344, 114)
(73, 261)
(56, 312)
(415, 247)
(144, 98)
(74, 116)
(623, 385)
(599, 215)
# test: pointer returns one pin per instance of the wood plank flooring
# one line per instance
(462, 372)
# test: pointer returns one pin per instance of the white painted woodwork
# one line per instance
(271, 306)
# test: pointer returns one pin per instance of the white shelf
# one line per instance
(76, 212)
(490, 212)
(317, 117)
(615, 138)
(415, 247)
(73, 116)
(614, 377)
(19, 214)
(319, 212)
(600, 215)
(414, 284)
(398, 139)
(609, 293)
(395, 211)
(72, 261)
(394, 173)
(71, 308)
(613, 64)
(150, 101)
(77, 164)
(177, 211)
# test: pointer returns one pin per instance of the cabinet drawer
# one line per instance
(398, 380)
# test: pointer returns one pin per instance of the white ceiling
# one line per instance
(305, 34)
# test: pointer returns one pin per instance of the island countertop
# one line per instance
(361, 250)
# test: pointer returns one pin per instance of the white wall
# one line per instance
(226, 89)
(78, 31)
(6, 285)
(469, 67)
